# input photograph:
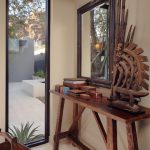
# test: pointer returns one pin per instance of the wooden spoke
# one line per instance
(145, 76)
(144, 67)
(138, 51)
(143, 58)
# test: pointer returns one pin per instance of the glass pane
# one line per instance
(95, 43)
(99, 42)
(27, 69)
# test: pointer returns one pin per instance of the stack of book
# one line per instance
(88, 88)
(75, 92)
(74, 82)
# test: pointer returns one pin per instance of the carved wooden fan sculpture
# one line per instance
(129, 71)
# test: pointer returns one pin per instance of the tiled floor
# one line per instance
(49, 147)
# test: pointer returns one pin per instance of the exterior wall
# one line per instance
(21, 64)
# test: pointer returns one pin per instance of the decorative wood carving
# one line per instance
(129, 71)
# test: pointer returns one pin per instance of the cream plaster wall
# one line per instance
(80, 3)
(138, 15)
(63, 51)
(2, 63)
(143, 39)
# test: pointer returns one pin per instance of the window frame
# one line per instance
(47, 77)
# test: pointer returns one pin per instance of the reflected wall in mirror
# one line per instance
(96, 41)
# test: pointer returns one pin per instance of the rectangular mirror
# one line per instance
(96, 41)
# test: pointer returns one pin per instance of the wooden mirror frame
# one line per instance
(80, 12)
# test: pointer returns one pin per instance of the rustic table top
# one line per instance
(103, 108)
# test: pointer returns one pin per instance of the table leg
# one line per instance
(59, 123)
(132, 136)
(100, 125)
(75, 113)
(111, 134)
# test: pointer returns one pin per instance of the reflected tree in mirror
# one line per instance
(99, 42)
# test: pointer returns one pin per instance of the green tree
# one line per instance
(24, 18)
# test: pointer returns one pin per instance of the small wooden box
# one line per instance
(96, 95)
(57, 87)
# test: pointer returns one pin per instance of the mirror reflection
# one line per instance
(95, 43)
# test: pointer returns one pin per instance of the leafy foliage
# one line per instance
(26, 133)
(26, 16)
(40, 73)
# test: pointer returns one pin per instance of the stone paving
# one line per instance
(23, 108)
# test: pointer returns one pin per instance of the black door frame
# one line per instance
(47, 77)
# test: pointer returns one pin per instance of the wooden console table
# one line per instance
(112, 115)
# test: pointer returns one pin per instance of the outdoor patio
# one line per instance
(23, 108)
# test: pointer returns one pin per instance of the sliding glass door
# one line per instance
(27, 82)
